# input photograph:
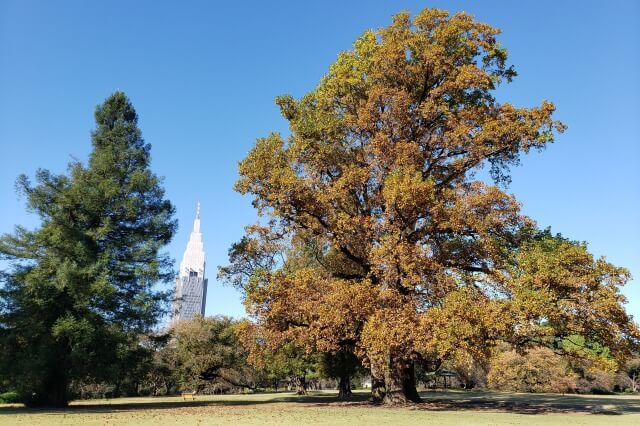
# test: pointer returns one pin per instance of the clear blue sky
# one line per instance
(203, 76)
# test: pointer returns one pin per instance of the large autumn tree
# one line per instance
(413, 257)
(81, 286)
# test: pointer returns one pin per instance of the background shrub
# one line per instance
(538, 370)
(9, 397)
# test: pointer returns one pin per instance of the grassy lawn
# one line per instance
(441, 408)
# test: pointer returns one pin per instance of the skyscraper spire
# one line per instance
(193, 258)
(191, 285)
(196, 221)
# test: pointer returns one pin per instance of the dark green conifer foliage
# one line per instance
(80, 288)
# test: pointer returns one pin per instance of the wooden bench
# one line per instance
(188, 395)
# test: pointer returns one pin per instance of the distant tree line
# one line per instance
(206, 355)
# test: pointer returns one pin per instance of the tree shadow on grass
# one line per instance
(115, 405)
(524, 403)
(519, 403)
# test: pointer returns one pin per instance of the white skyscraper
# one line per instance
(191, 285)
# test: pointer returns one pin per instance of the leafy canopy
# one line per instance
(407, 255)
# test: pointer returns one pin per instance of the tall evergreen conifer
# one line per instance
(80, 288)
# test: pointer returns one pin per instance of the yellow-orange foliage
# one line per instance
(408, 255)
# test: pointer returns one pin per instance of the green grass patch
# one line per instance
(440, 408)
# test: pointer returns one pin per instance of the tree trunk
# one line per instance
(377, 384)
(58, 394)
(401, 382)
(344, 387)
(300, 384)
(54, 393)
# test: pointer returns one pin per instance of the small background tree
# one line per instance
(628, 378)
(342, 366)
(208, 356)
